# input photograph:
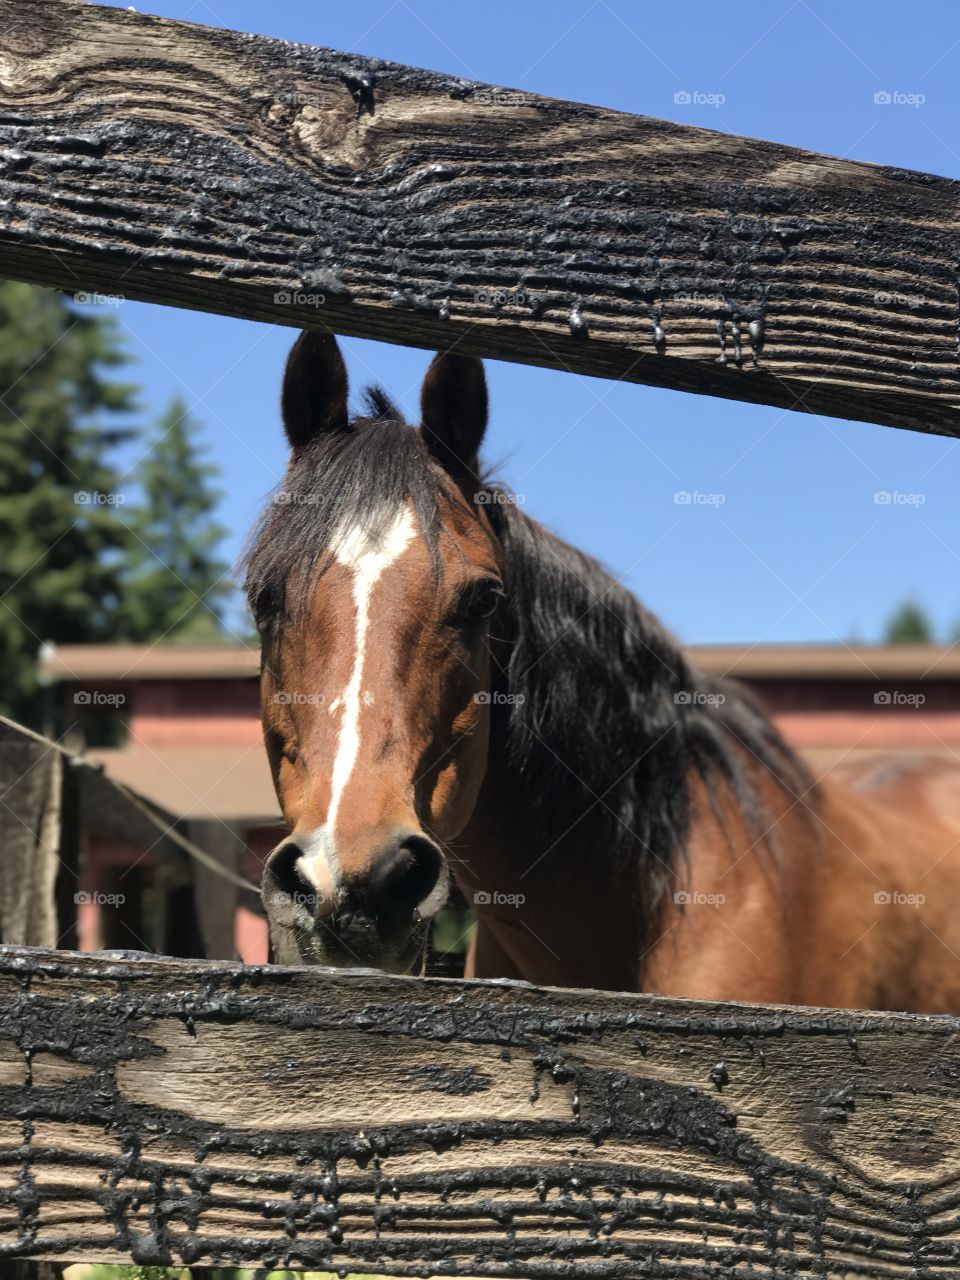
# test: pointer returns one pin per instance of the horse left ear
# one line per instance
(453, 406)
(313, 400)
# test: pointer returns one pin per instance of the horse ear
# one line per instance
(314, 396)
(453, 405)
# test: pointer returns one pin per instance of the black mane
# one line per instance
(613, 720)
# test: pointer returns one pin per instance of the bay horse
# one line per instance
(448, 689)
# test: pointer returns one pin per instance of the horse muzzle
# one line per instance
(376, 916)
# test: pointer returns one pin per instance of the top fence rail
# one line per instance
(209, 169)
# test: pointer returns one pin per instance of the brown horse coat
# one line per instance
(448, 689)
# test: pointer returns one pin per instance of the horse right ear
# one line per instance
(453, 406)
(314, 396)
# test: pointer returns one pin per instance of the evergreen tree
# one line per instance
(58, 492)
(908, 624)
(174, 582)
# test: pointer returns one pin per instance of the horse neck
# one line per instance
(604, 752)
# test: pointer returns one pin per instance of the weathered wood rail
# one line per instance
(208, 169)
(187, 1112)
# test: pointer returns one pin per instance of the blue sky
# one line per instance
(798, 550)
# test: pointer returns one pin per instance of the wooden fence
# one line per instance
(162, 1111)
(49, 798)
(191, 1112)
(209, 169)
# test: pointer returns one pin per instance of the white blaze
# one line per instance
(368, 557)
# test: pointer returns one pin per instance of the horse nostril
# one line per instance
(286, 876)
(405, 876)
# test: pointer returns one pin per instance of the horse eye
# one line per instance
(481, 601)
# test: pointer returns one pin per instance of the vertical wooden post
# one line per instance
(68, 875)
(216, 898)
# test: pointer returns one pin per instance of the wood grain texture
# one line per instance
(209, 169)
(196, 1113)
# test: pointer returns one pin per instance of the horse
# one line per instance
(450, 691)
